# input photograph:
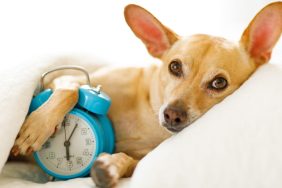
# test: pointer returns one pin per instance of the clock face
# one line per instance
(71, 149)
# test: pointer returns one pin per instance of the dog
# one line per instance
(151, 104)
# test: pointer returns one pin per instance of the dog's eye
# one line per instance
(218, 83)
(175, 67)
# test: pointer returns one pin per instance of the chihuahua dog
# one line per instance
(151, 104)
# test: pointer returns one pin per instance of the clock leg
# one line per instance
(108, 169)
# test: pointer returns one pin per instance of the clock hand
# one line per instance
(72, 131)
(67, 143)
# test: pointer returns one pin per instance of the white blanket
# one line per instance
(236, 144)
(18, 82)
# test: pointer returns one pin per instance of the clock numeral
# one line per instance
(69, 163)
(52, 155)
(86, 152)
(88, 141)
(60, 160)
(77, 119)
(67, 123)
(79, 160)
(83, 131)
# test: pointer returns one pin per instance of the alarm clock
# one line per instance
(85, 132)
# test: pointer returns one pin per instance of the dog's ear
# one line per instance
(263, 32)
(154, 35)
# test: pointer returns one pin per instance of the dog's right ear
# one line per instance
(146, 27)
(263, 32)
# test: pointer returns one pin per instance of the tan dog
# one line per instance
(150, 104)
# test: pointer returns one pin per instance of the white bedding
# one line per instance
(18, 81)
(236, 144)
(30, 176)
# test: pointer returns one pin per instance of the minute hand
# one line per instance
(72, 132)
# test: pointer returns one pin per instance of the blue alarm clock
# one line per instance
(85, 132)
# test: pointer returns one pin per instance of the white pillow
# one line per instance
(238, 143)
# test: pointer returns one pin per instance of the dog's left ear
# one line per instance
(145, 26)
(263, 32)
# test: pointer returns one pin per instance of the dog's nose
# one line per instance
(175, 116)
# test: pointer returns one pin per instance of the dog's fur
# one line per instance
(150, 104)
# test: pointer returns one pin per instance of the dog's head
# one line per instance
(201, 70)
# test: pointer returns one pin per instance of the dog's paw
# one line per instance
(36, 129)
(104, 172)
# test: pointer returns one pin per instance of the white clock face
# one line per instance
(71, 149)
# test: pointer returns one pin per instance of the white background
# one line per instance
(35, 28)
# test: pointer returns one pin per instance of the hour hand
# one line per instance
(67, 145)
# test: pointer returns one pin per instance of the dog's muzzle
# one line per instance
(174, 118)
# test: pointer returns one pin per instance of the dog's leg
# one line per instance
(108, 169)
(44, 121)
